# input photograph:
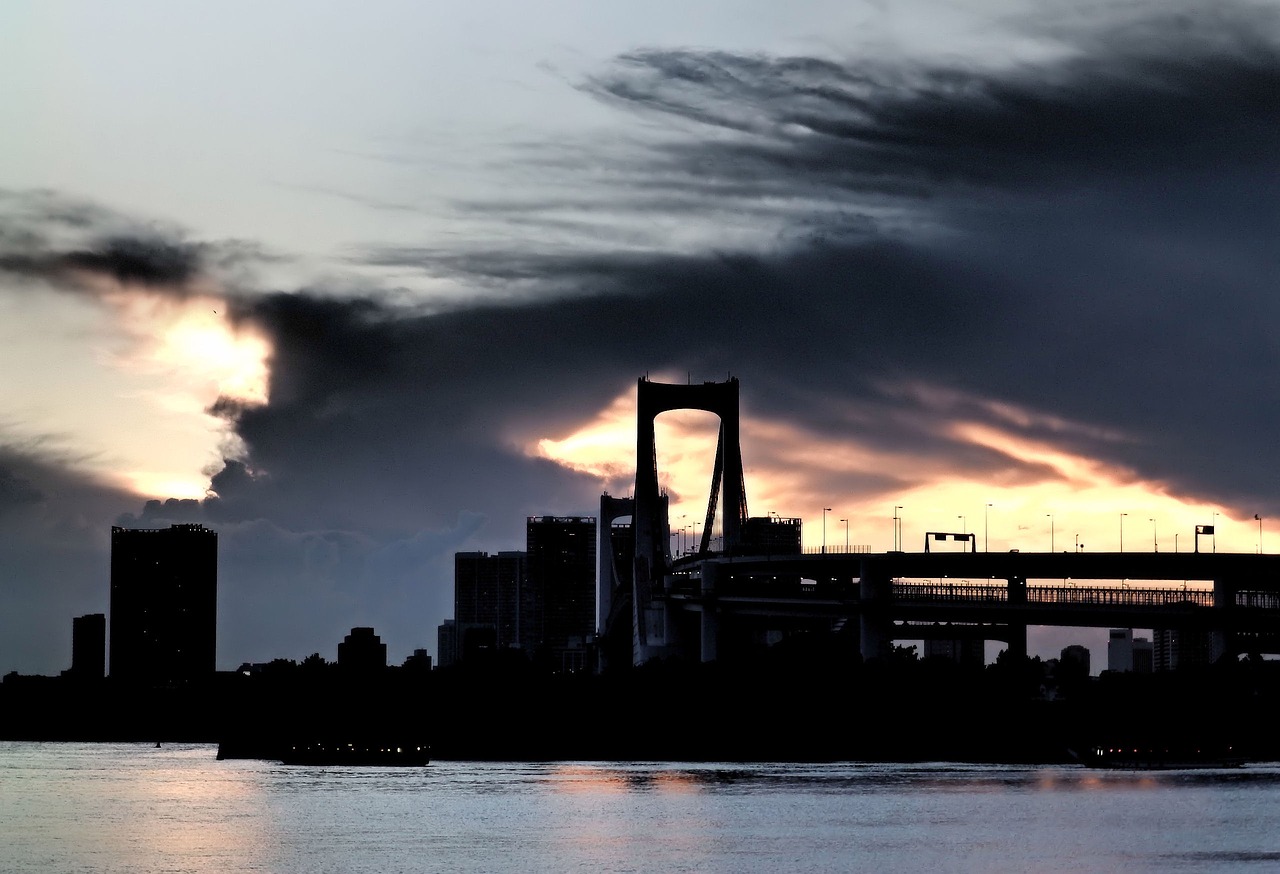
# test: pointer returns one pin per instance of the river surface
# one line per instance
(136, 808)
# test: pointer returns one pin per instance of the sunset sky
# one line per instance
(360, 285)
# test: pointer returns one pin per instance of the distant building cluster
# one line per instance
(163, 616)
(1167, 650)
(539, 603)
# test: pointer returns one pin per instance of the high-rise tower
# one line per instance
(559, 611)
(164, 604)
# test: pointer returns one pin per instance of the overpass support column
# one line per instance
(1221, 640)
(1018, 630)
(710, 612)
(875, 625)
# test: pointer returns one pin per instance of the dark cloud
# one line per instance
(142, 261)
(1154, 97)
(50, 237)
(16, 491)
(1090, 238)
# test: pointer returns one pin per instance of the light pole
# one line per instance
(825, 511)
(846, 535)
(1259, 518)
(964, 526)
(1214, 536)
(1122, 515)
(1155, 541)
(1078, 543)
(1050, 515)
(897, 529)
(1175, 541)
(985, 527)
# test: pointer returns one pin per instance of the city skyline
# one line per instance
(363, 289)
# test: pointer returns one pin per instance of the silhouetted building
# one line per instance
(1176, 648)
(419, 661)
(447, 643)
(770, 535)
(487, 593)
(968, 652)
(89, 647)
(559, 606)
(1128, 653)
(164, 604)
(616, 551)
(362, 651)
(1120, 649)
(1143, 656)
(1076, 655)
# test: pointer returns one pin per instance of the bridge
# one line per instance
(759, 584)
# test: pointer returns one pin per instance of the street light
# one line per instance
(985, 528)
(1215, 531)
(1259, 518)
(825, 511)
(1050, 515)
(1078, 543)
(1155, 542)
(897, 529)
(1122, 515)
(846, 535)
(964, 527)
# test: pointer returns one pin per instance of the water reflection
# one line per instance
(131, 802)
(130, 808)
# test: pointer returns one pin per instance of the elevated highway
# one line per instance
(993, 596)
(665, 605)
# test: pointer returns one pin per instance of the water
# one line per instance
(134, 808)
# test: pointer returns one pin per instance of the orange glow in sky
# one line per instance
(1054, 500)
(176, 357)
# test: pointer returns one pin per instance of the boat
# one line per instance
(1158, 758)
(324, 753)
(356, 753)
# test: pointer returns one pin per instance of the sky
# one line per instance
(361, 285)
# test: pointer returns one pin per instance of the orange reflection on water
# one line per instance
(571, 778)
(180, 805)
(676, 783)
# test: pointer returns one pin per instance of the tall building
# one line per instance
(1128, 653)
(1143, 656)
(89, 647)
(559, 606)
(1182, 648)
(447, 643)
(1120, 650)
(164, 604)
(487, 591)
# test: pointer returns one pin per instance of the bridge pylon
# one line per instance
(652, 632)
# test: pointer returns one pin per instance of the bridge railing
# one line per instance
(989, 592)
(1258, 600)
(1118, 596)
